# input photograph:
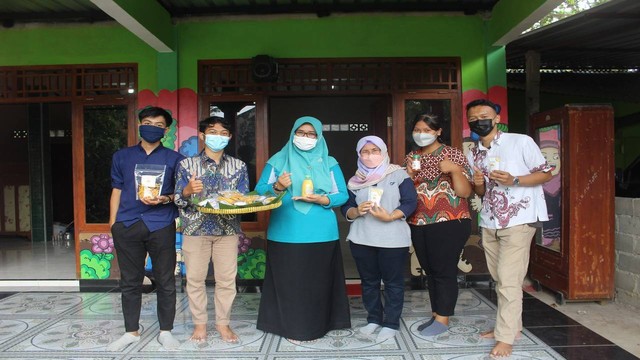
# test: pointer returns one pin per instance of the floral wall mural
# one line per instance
(97, 257)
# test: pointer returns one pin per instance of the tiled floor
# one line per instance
(564, 335)
(72, 325)
(22, 259)
(80, 325)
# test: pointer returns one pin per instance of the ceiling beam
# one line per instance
(515, 17)
(146, 19)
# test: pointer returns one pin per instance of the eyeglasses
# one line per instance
(310, 134)
(157, 124)
(221, 133)
(370, 152)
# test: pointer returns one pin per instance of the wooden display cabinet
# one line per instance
(573, 253)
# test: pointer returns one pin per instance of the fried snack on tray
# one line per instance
(237, 199)
(148, 191)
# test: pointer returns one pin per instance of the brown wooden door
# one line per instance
(99, 128)
(406, 106)
(15, 214)
(247, 115)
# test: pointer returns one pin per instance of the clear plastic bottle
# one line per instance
(307, 186)
(415, 162)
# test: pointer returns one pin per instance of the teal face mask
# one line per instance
(216, 143)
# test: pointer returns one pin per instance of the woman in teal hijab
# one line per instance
(303, 294)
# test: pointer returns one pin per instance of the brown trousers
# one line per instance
(507, 253)
(223, 251)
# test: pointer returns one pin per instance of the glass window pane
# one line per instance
(242, 117)
(105, 131)
(549, 142)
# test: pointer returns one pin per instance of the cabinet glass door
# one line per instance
(549, 140)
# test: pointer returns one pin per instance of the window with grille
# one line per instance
(331, 76)
(66, 81)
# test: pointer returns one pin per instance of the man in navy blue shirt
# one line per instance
(142, 224)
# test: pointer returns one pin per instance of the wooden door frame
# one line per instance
(262, 141)
(398, 129)
(77, 133)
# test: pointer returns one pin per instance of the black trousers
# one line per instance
(132, 245)
(438, 248)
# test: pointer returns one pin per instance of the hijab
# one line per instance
(365, 176)
(315, 162)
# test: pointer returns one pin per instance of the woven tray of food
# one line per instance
(230, 203)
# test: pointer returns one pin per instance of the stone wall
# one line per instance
(628, 250)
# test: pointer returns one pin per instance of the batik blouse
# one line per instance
(437, 199)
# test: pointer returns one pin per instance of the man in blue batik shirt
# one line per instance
(209, 236)
(142, 225)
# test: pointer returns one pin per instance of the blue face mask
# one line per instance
(216, 143)
(151, 134)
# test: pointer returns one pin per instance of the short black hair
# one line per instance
(484, 102)
(154, 111)
(204, 124)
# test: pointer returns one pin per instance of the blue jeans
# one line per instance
(386, 264)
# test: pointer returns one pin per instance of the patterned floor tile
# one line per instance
(111, 304)
(337, 341)
(539, 354)
(29, 304)
(252, 340)
(78, 335)
(12, 328)
(464, 332)
(345, 356)
(417, 302)
(79, 326)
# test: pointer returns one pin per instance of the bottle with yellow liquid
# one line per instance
(307, 186)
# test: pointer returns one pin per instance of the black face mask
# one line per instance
(150, 133)
(481, 127)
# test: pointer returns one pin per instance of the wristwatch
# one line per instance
(275, 188)
(516, 181)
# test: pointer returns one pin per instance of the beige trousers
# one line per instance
(223, 251)
(507, 253)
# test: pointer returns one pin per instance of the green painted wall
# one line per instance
(153, 17)
(335, 36)
(87, 44)
(507, 14)
(300, 37)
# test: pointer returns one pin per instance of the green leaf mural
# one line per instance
(252, 264)
(95, 266)
(169, 139)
